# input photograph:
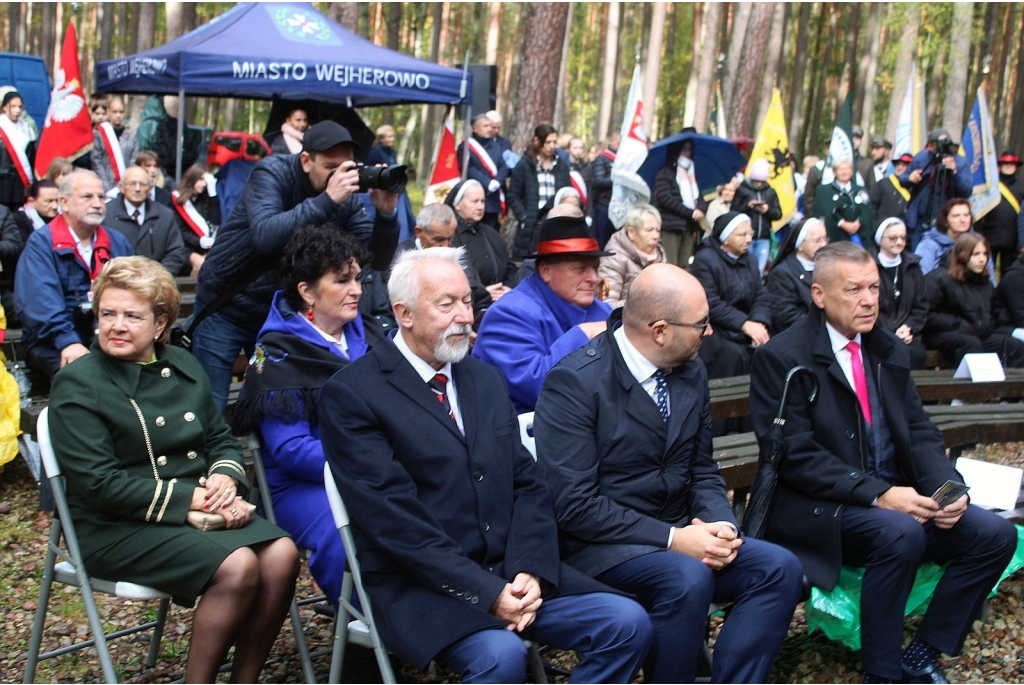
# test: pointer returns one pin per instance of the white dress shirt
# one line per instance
(131, 209)
(843, 356)
(337, 343)
(427, 372)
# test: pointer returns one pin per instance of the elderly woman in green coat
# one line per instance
(142, 444)
(845, 207)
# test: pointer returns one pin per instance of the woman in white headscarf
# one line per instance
(678, 198)
(902, 301)
(789, 281)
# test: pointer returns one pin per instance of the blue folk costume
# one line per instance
(531, 328)
(280, 403)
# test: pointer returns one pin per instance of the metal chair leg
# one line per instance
(44, 600)
(536, 663)
(341, 619)
(158, 633)
(300, 643)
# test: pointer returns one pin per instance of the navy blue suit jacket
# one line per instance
(442, 521)
(620, 476)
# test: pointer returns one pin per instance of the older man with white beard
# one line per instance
(53, 284)
(454, 524)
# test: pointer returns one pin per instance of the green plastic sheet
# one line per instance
(837, 613)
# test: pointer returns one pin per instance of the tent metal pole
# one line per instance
(181, 134)
(466, 114)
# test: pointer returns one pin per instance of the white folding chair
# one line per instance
(525, 426)
(361, 630)
(71, 571)
(262, 491)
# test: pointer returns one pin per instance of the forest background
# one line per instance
(570, 63)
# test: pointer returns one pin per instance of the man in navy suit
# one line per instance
(623, 428)
(453, 521)
(486, 165)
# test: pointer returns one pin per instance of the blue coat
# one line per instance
(620, 477)
(528, 331)
(276, 200)
(50, 284)
(443, 521)
(919, 210)
(294, 459)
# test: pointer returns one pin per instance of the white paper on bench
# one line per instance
(993, 486)
(981, 367)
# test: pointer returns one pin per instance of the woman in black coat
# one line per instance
(680, 217)
(531, 192)
(960, 306)
(486, 250)
(789, 281)
(739, 304)
(198, 216)
(1008, 301)
(902, 301)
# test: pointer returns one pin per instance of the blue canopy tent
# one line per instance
(283, 50)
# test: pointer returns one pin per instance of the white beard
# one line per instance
(447, 351)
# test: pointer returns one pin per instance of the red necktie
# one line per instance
(439, 384)
(860, 383)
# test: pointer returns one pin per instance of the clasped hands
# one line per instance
(715, 544)
(220, 497)
(922, 508)
(518, 602)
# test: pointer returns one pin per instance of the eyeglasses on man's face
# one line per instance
(700, 326)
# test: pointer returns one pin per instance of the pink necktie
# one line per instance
(860, 383)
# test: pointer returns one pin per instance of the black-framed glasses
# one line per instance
(700, 326)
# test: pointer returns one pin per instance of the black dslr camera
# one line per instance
(391, 178)
(945, 147)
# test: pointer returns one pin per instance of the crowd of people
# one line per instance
(405, 364)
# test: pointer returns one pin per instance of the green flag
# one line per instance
(841, 146)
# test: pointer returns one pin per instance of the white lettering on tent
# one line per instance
(342, 74)
(137, 66)
(273, 71)
(261, 70)
(324, 72)
(295, 71)
(243, 70)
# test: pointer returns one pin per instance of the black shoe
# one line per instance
(931, 673)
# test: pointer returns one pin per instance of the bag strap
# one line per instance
(218, 302)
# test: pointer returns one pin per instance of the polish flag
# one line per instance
(68, 129)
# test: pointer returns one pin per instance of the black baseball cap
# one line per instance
(879, 141)
(325, 135)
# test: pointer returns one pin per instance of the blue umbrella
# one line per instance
(717, 160)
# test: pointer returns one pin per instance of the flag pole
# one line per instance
(468, 112)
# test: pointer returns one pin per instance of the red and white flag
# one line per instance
(113, 147)
(68, 129)
(445, 172)
(628, 188)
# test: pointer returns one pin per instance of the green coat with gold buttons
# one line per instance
(134, 441)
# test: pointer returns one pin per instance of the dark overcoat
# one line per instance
(620, 476)
(825, 468)
(912, 309)
(442, 520)
(789, 285)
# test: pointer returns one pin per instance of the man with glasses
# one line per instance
(150, 227)
(623, 430)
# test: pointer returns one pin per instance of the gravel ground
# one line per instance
(993, 653)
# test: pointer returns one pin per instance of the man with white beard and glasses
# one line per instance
(453, 521)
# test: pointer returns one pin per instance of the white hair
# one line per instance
(494, 116)
(437, 213)
(67, 184)
(404, 284)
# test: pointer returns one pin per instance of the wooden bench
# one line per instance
(730, 397)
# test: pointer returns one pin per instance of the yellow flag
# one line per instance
(773, 144)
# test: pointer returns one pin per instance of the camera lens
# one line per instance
(391, 178)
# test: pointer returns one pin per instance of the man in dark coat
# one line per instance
(316, 186)
(999, 226)
(874, 169)
(934, 176)
(623, 430)
(855, 486)
(150, 227)
(453, 521)
(601, 187)
(889, 198)
(487, 166)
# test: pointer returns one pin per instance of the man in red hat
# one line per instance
(889, 198)
(1001, 225)
(549, 314)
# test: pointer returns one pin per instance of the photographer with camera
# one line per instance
(938, 173)
(240, 274)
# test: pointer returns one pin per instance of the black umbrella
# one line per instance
(772, 452)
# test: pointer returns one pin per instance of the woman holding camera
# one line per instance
(845, 207)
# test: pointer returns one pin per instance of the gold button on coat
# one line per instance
(166, 373)
(189, 416)
(161, 461)
(160, 422)
(192, 454)
(202, 480)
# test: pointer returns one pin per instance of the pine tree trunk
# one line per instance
(538, 73)
(493, 32)
(699, 27)
(746, 87)
(706, 66)
(394, 24)
(906, 54)
(934, 90)
(146, 12)
(849, 75)
(47, 36)
(733, 63)
(427, 116)
(822, 73)
(15, 27)
(796, 109)
(866, 70)
(770, 73)
(174, 12)
(1016, 141)
(652, 72)
(611, 58)
(563, 65)
(999, 70)
(346, 14)
(107, 11)
(956, 75)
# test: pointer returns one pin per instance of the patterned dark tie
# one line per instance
(439, 385)
(136, 216)
(661, 394)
